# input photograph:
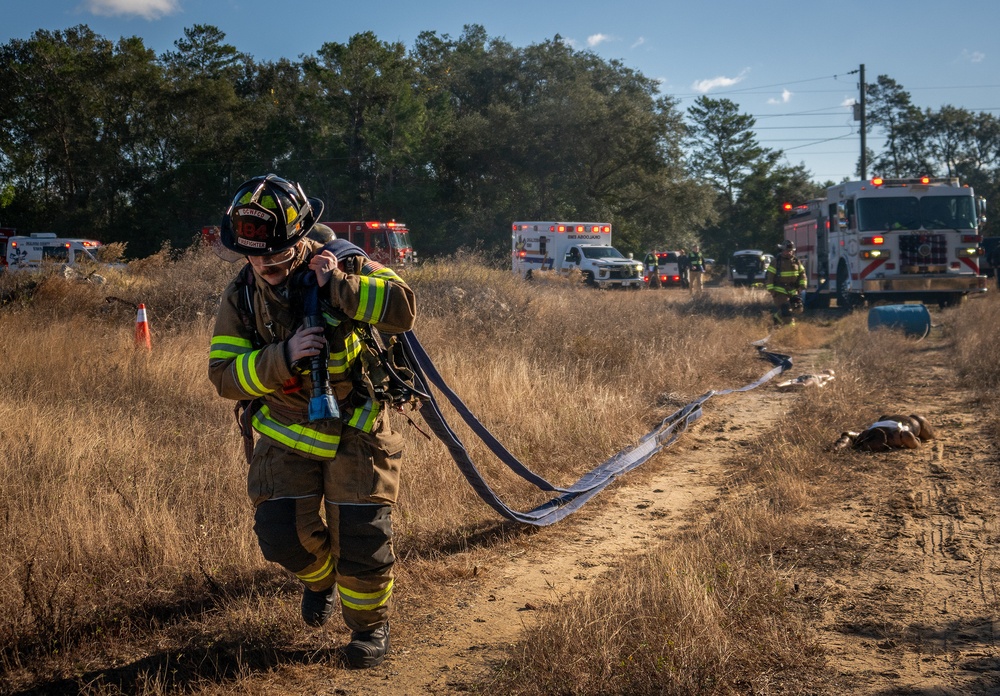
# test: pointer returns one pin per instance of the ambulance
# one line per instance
(540, 246)
(890, 240)
(32, 252)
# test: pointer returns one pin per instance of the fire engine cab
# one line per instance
(890, 239)
(385, 242)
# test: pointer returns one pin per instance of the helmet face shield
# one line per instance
(268, 215)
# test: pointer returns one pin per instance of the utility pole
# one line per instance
(864, 148)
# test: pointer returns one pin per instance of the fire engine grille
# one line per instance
(923, 253)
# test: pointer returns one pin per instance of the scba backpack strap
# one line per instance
(386, 372)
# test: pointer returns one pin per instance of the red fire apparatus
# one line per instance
(895, 239)
(385, 242)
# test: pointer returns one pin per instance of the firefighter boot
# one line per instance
(368, 648)
(317, 606)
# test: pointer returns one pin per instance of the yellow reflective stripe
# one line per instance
(246, 374)
(229, 346)
(297, 437)
(386, 274)
(364, 600)
(317, 575)
(342, 360)
(364, 417)
(372, 299)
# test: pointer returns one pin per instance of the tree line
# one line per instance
(456, 137)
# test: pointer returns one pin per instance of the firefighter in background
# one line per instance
(652, 264)
(785, 279)
(684, 269)
(696, 264)
(301, 467)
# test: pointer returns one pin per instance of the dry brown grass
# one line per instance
(124, 501)
(127, 536)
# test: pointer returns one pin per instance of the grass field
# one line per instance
(127, 531)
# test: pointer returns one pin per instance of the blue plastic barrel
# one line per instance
(913, 319)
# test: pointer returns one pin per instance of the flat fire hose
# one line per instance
(591, 483)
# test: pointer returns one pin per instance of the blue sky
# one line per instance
(786, 63)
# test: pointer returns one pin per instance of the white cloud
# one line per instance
(973, 56)
(705, 86)
(849, 101)
(595, 39)
(639, 42)
(147, 9)
(786, 97)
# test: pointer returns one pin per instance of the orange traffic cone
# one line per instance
(142, 339)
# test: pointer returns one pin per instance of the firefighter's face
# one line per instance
(275, 268)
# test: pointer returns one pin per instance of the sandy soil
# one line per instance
(906, 607)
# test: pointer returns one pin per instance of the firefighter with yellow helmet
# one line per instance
(786, 279)
(344, 462)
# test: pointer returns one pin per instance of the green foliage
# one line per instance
(456, 137)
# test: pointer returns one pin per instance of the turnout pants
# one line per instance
(782, 308)
(352, 547)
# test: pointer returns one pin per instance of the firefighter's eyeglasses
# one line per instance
(277, 258)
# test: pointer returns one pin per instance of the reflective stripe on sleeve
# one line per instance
(371, 300)
(246, 374)
(226, 347)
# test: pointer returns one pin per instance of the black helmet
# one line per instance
(788, 245)
(268, 214)
(321, 233)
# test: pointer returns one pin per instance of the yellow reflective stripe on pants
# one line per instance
(363, 601)
(294, 436)
(317, 575)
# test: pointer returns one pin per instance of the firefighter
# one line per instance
(301, 467)
(696, 264)
(651, 263)
(785, 279)
(684, 269)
